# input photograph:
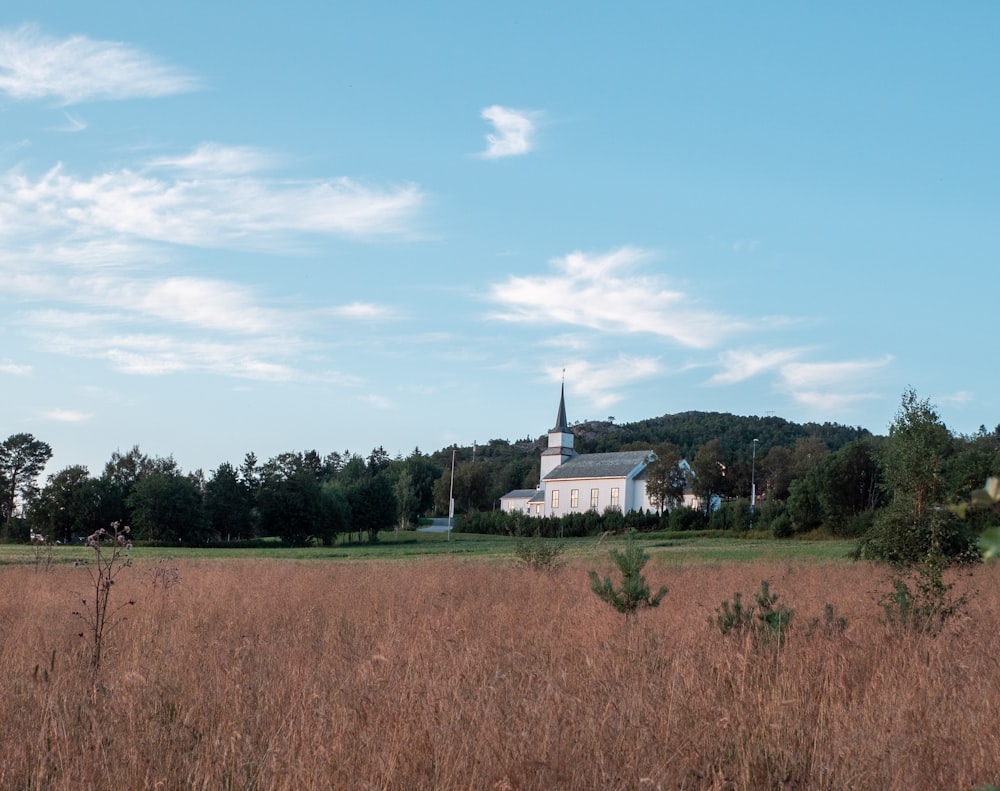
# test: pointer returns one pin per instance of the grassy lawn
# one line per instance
(664, 547)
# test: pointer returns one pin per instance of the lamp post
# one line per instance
(451, 496)
(753, 481)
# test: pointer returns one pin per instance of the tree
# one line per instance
(22, 459)
(919, 445)
(634, 591)
(168, 507)
(67, 505)
(665, 478)
(373, 505)
(914, 528)
(710, 473)
(227, 503)
(290, 501)
(850, 485)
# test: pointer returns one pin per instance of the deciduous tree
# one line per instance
(22, 459)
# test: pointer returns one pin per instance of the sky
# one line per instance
(230, 227)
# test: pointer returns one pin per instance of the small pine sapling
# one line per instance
(634, 591)
(765, 621)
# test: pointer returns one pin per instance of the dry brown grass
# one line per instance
(470, 675)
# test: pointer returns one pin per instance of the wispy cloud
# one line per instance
(831, 386)
(78, 69)
(514, 132)
(74, 123)
(207, 209)
(739, 365)
(215, 159)
(603, 384)
(957, 398)
(66, 416)
(155, 354)
(197, 302)
(605, 293)
(13, 369)
(362, 310)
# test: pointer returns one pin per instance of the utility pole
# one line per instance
(753, 481)
(451, 495)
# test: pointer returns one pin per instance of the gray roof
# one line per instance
(519, 494)
(600, 465)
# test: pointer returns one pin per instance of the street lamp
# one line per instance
(753, 481)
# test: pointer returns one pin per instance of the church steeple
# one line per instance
(560, 447)
(561, 424)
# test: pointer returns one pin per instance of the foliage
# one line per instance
(168, 507)
(665, 478)
(112, 555)
(763, 621)
(684, 518)
(921, 601)
(914, 528)
(22, 459)
(986, 499)
(539, 554)
(68, 504)
(710, 473)
(905, 539)
(830, 626)
(730, 515)
(372, 505)
(633, 592)
(229, 504)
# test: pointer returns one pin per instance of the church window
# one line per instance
(574, 498)
(614, 497)
(594, 493)
(555, 499)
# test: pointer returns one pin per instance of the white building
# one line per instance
(573, 483)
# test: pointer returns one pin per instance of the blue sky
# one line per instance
(228, 227)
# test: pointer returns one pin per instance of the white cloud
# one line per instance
(601, 384)
(67, 416)
(362, 310)
(601, 292)
(830, 386)
(210, 159)
(73, 124)
(78, 69)
(14, 369)
(198, 302)
(151, 354)
(741, 364)
(228, 211)
(378, 402)
(959, 397)
(515, 131)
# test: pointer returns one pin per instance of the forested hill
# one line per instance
(690, 430)
(687, 430)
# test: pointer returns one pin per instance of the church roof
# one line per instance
(600, 465)
(519, 494)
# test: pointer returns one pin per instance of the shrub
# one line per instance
(634, 592)
(763, 622)
(684, 518)
(921, 601)
(539, 554)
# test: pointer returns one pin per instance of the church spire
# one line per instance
(561, 424)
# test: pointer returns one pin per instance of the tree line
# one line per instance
(814, 477)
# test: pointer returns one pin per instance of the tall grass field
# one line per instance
(452, 673)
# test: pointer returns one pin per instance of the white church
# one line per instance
(574, 483)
